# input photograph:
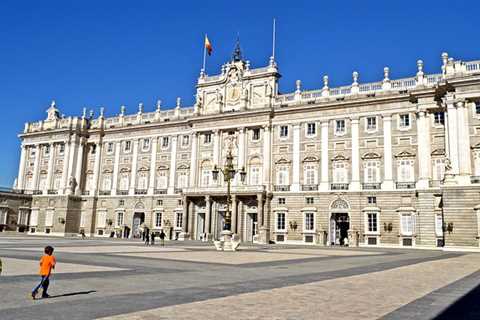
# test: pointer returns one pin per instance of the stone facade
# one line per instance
(393, 163)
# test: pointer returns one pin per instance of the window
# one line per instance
(256, 134)
(438, 225)
(206, 173)
(439, 118)
(371, 123)
(124, 182)
(107, 183)
(311, 129)
(309, 200)
(476, 159)
(159, 202)
(281, 200)
(405, 171)
(406, 224)
(119, 221)
(371, 172)
(372, 222)
(283, 131)
(47, 150)
(309, 221)
(207, 138)
(477, 107)
(179, 219)
(310, 174)
(142, 183)
(255, 175)
(121, 203)
(110, 147)
(404, 121)
(164, 142)
(438, 169)
(372, 200)
(281, 221)
(179, 202)
(185, 141)
(57, 181)
(34, 218)
(127, 146)
(162, 179)
(89, 182)
(146, 144)
(94, 149)
(340, 172)
(282, 175)
(182, 179)
(61, 148)
(101, 219)
(339, 127)
(158, 219)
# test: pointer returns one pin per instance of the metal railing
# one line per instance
(178, 190)
(105, 192)
(371, 186)
(281, 188)
(85, 192)
(405, 185)
(309, 187)
(140, 191)
(160, 191)
(122, 192)
(339, 186)
(475, 179)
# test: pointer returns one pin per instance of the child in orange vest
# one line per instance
(47, 263)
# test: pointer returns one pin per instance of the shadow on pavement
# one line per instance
(72, 294)
(467, 307)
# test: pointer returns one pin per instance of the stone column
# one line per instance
(133, 173)
(355, 184)
(241, 154)
(193, 160)
(208, 215)
(96, 168)
(234, 214)
(387, 183)
(424, 153)
(452, 152)
(191, 220)
(36, 165)
(153, 161)
(50, 169)
(115, 168)
(173, 166)
(185, 214)
(267, 144)
(296, 158)
(79, 166)
(216, 153)
(74, 149)
(21, 168)
(324, 161)
(465, 166)
(66, 158)
(260, 209)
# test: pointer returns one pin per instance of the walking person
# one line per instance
(162, 238)
(47, 264)
(152, 238)
(147, 238)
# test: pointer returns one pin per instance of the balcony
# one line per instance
(122, 192)
(281, 188)
(50, 191)
(405, 185)
(475, 179)
(160, 191)
(339, 186)
(85, 192)
(140, 191)
(178, 190)
(37, 192)
(105, 192)
(371, 186)
(309, 187)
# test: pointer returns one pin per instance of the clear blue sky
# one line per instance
(108, 53)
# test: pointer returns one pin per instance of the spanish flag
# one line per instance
(208, 46)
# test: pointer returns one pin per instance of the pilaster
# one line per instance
(267, 145)
(424, 153)
(296, 158)
(96, 169)
(153, 161)
(36, 166)
(133, 173)
(355, 184)
(21, 168)
(116, 164)
(387, 183)
(173, 166)
(50, 168)
(324, 157)
(193, 161)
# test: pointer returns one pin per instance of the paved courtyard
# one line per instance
(119, 279)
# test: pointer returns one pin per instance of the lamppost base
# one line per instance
(226, 242)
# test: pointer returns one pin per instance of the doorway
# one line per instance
(339, 226)
(220, 223)
(250, 226)
(138, 219)
(200, 226)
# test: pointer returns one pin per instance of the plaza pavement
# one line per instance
(120, 279)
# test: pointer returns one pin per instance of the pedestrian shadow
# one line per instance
(69, 294)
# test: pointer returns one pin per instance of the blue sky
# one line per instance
(109, 53)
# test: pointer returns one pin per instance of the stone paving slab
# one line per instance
(104, 249)
(367, 296)
(327, 252)
(17, 267)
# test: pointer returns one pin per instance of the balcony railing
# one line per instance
(178, 190)
(50, 191)
(405, 185)
(281, 188)
(309, 187)
(140, 191)
(85, 192)
(371, 186)
(160, 191)
(122, 192)
(339, 186)
(36, 192)
(105, 192)
(475, 179)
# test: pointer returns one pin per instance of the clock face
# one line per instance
(233, 93)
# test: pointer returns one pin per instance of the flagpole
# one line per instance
(273, 40)
(204, 53)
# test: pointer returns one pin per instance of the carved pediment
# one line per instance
(143, 169)
(477, 146)
(162, 167)
(340, 157)
(282, 161)
(371, 155)
(310, 159)
(439, 152)
(183, 167)
(405, 154)
(339, 203)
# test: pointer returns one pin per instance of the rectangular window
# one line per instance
(372, 222)
(406, 224)
(128, 146)
(255, 176)
(146, 144)
(477, 107)
(185, 141)
(439, 169)
(281, 221)
(372, 200)
(61, 148)
(309, 200)
(282, 178)
(281, 200)
(371, 123)
(439, 118)
(340, 127)
(119, 219)
(283, 131)
(121, 203)
(309, 221)
(47, 149)
(94, 148)
(311, 129)
(339, 172)
(179, 219)
(207, 138)
(159, 202)
(256, 134)
(180, 202)
(165, 142)
(404, 120)
(405, 168)
(371, 172)
(310, 174)
(110, 147)
(158, 219)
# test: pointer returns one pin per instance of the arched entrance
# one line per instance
(339, 223)
(138, 219)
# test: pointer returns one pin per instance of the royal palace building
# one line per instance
(389, 163)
